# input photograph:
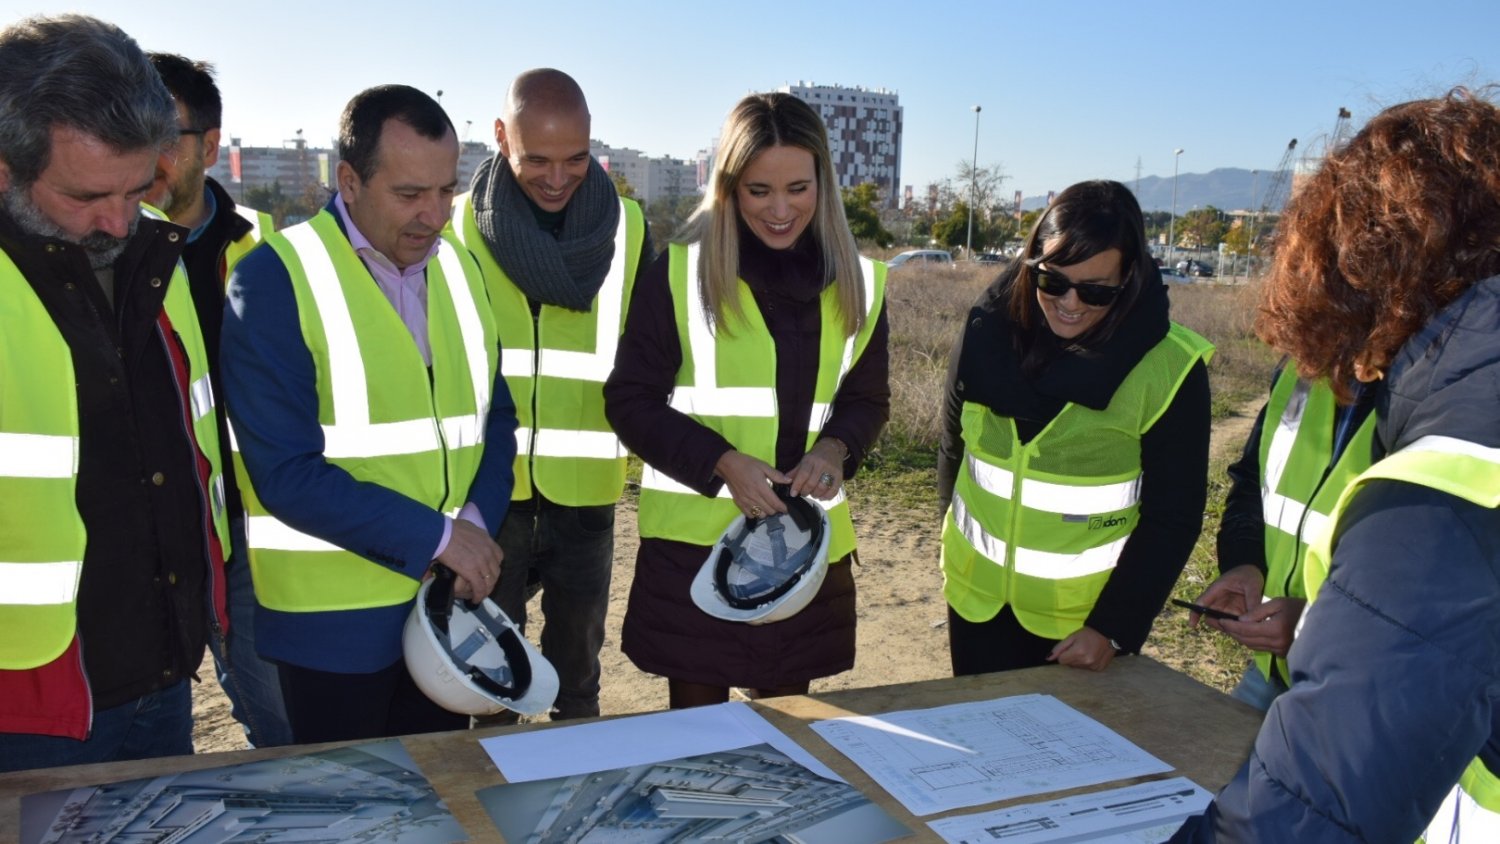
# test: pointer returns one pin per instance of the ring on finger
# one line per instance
(756, 512)
(826, 479)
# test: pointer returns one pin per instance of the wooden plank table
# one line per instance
(1202, 733)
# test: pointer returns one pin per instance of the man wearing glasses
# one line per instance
(220, 234)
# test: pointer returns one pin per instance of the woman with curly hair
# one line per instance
(1387, 273)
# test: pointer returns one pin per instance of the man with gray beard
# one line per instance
(112, 524)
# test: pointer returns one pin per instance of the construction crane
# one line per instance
(1272, 197)
(1340, 134)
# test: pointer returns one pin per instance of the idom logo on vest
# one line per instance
(1098, 522)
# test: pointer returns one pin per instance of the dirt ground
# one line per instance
(902, 633)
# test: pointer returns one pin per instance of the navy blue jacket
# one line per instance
(270, 389)
(1396, 671)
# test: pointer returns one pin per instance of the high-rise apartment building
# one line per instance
(864, 133)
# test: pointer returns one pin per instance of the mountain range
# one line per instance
(1227, 188)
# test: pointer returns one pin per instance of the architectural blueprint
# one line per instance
(966, 754)
(1137, 814)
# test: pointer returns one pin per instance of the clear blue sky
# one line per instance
(1070, 91)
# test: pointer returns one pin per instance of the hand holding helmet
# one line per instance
(766, 569)
(469, 657)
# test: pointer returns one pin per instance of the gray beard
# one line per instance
(101, 247)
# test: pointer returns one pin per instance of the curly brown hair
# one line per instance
(1392, 228)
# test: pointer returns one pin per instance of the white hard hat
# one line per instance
(767, 569)
(470, 658)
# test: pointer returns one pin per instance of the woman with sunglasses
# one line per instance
(1074, 458)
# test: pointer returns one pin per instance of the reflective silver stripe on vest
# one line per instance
(755, 402)
(251, 216)
(705, 397)
(467, 430)
(1280, 512)
(1049, 497)
(1044, 565)
(40, 584)
(1461, 812)
(202, 395)
(652, 478)
(38, 456)
(1453, 445)
(523, 436)
(609, 302)
(272, 534)
(516, 363)
(352, 434)
(603, 445)
(867, 277)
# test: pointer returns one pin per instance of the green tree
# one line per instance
(622, 185)
(953, 230)
(864, 221)
(666, 216)
(1202, 228)
(1028, 222)
(1156, 225)
(1237, 239)
(285, 208)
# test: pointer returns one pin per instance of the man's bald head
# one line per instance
(544, 136)
(543, 90)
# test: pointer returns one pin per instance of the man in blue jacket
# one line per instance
(361, 370)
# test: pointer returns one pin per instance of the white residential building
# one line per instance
(653, 178)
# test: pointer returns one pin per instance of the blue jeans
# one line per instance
(157, 724)
(573, 550)
(1256, 690)
(250, 683)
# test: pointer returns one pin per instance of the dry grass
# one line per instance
(926, 308)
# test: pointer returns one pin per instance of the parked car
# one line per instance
(1195, 268)
(988, 258)
(1170, 275)
(922, 257)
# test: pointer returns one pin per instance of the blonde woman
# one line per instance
(754, 354)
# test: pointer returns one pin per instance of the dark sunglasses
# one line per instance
(1055, 283)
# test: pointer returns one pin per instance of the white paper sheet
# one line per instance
(639, 740)
(1137, 814)
(965, 754)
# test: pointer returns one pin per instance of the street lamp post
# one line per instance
(973, 186)
(1254, 220)
(1172, 222)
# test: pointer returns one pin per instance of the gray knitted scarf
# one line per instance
(566, 270)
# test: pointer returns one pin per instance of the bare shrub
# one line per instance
(926, 307)
(1225, 314)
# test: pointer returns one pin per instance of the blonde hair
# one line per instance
(757, 123)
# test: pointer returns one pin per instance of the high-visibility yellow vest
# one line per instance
(1464, 470)
(1298, 485)
(42, 535)
(383, 420)
(261, 224)
(1040, 525)
(727, 382)
(556, 368)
